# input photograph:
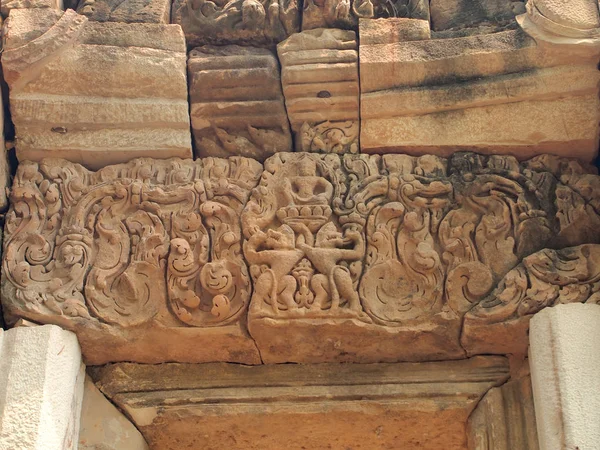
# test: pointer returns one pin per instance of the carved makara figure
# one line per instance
(303, 244)
(121, 244)
(442, 241)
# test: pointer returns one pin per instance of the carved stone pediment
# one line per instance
(307, 258)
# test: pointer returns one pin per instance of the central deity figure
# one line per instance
(302, 260)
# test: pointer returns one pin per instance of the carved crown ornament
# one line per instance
(307, 257)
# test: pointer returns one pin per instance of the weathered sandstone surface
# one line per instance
(354, 258)
(236, 102)
(95, 93)
(215, 406)
(319, 72)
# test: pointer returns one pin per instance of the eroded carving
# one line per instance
(352, 257)
(236, 102)
(257, 22)
(345, 13)
(319, 72)
(120, 244)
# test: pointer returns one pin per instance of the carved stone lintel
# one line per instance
(138, 249)
(355, 258)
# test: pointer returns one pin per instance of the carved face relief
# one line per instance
(129, 243)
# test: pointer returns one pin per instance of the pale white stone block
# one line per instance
(103, 426)
(564, 357)
(41, 388)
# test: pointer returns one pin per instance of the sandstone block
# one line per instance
(442, 95)
(8, 5)
(388, 31)
(320, 83)
(130, 11)
(245, 22)
(565, 362)
(104, 427)
(41, 388)
(353, 258)
(126, 94)
(221, 406)
(505, 419)
(236, 102)
(346, 14)
(142, 260)
(314, 218)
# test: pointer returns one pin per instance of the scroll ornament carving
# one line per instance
(389, 247)
(120, 244)
(438, 235)
(546, 278)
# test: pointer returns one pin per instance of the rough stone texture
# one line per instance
(141, 260)
(346, 14)
(41, 388)
(354, 258)
(457, 14)
(388, 31)
(505, 419)
(574, 23)
(130, 11)
(496, 94)
(236, 102)
(245, 22)
(320, 83)
(220, 406)
(4, 168)
(104, 427)
(95, 93)
(565, 363)
(7, 5)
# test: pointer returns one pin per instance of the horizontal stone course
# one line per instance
(307, 258)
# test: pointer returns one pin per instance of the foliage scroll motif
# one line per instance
(121, 244)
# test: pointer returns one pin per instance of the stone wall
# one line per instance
(374, 181)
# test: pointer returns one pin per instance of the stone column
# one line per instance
(41, 388)
(564, 357)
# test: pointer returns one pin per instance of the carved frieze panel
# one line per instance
(307, 258)
(149, 245)
(237, 105)
(246, 22)
(319, 73)
(438, 236)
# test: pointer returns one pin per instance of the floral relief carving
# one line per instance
(453, 255)
(122, 243)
